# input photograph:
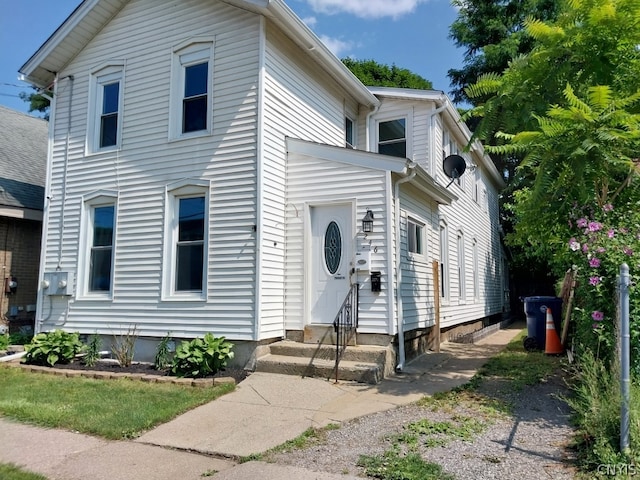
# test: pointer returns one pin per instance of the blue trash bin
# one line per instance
(535, 309)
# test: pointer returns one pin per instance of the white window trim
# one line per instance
(444, 260)
(184, 188)
(462, 277)
(354, 133)
(422, 225)
(101, 198)
(476, 272)
(408, 122)
(190, 52)
(100, 76)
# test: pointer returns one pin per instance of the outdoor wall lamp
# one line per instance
(367, 222)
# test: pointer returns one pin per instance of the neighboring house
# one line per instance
(23, 160)
(211, 168)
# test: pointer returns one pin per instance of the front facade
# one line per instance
(210, 173)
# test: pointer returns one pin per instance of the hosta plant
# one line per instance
(53, 347)
(201, 356)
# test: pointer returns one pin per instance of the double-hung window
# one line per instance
(392, 137)
(444, 261)
(415, 237)
(104, 129)
(191, 89)
(186, 240)
(349, 133)
(95, 272)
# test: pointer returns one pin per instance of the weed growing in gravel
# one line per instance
(311, 436)
(393, 465)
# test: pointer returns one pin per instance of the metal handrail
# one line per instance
(346, 323)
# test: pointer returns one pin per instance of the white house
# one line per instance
(210, 167)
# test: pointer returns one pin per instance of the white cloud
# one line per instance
(310, 21)
(337, 46)
(366, 8)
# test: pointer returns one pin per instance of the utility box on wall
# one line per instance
(58, 283)
(363, 258)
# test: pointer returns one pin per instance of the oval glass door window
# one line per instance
(332, 247)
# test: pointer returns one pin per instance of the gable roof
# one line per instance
(442, 100)
(91, 16)
(23, 159)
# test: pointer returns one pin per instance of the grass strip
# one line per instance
(113, 409)
(9, 471)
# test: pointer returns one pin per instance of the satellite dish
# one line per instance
(454, 166)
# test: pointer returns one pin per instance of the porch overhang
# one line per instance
(377, 161)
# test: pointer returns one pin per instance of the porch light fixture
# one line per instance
(367, 222)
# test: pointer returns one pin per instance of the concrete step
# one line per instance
(363, 372)
(359, 353)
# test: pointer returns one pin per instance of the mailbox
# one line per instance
(376, 283)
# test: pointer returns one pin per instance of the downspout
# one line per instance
(400, 316)
(367, 127)
(64, 173)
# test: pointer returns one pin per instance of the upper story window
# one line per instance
(349, 133)
(105, 108)
(461, 267)
(392, 137)
(415, 237)
(186, 240)
(444, 260)
(191, 99)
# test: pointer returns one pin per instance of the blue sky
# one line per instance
(411, 34)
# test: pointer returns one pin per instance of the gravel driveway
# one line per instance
(528, 443)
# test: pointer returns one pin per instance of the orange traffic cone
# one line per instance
(552, 345)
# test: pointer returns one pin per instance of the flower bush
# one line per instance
(603, 239)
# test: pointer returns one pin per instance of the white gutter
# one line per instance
(400, 316)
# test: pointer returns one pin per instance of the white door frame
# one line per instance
(308, 248)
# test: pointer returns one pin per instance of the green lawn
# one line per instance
(11, 472)
(114, 409)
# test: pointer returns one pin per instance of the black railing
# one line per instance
(345, 323)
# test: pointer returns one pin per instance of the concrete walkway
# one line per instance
(264, 411)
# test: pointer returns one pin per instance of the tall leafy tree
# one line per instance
(568, 105)
(491, 34)
(374, 74)
(37, 103)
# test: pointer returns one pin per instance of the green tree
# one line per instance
(37, 102)
(492, 34)
(374, 74)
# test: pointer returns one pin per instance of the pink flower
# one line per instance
(611, 233)
(582, 222)
(594, 281)
(608, 207)
(597, 316)
(574, 245)
(594, 262)
(594, 226)
(600, 250)
(585, 248)
(627, 251)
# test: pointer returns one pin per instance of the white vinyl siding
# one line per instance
(314, 181)
(147, 162)
(417, 288)
(302, 103)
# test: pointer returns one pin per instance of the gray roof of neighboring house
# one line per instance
(23, 159)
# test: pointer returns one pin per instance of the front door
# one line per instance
(331, 254)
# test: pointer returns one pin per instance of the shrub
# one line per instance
(596, 404)
(4, 341)
(20, 338)
(163, 355)
(201, 356)
(53, 347)
(93, 351)
(123, 346)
